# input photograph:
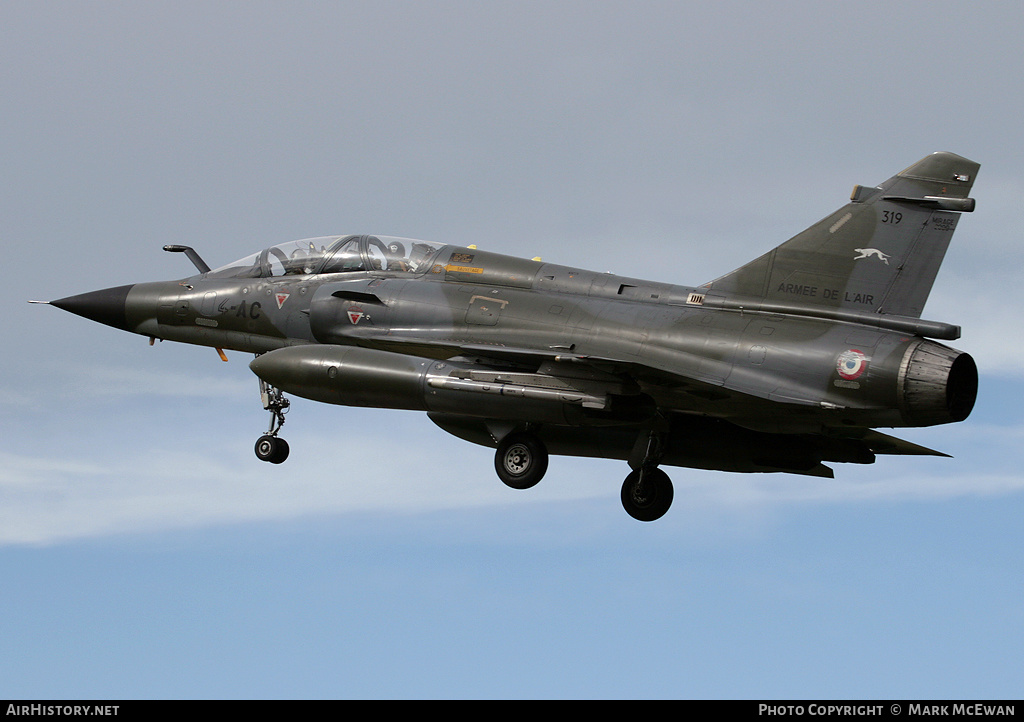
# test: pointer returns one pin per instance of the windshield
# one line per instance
(333, 254)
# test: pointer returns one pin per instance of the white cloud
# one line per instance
(398, 470)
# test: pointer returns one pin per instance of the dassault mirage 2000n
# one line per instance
(789, 362)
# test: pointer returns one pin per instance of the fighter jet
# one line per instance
(791, 361)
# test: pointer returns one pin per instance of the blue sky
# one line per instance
(145, 552)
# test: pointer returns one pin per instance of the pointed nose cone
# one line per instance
(106, 306)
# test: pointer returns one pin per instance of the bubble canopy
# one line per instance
(333, 254)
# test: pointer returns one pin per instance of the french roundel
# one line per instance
(851, 364)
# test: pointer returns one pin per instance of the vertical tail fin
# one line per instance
(879, 253)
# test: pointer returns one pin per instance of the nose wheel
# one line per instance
(270, 447)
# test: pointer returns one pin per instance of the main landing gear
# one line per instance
(270, 447)
(647, 491)
(522, 459)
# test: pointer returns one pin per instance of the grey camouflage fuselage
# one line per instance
(788, 362)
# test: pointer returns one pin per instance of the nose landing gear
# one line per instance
(270, 447)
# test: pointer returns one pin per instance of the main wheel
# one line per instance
(521, 460)
(649, 499)
(272, 449)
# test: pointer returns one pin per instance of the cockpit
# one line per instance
(334, 254)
